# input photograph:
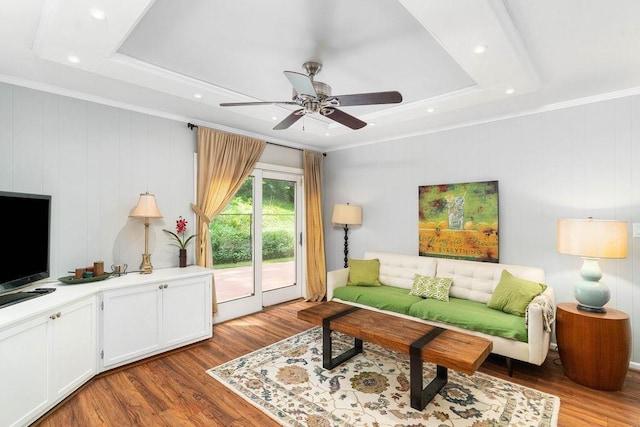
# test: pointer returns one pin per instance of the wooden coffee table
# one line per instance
(423, 343)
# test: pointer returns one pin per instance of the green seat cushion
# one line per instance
(364, 272)
(513, 295)
(383, 297)
(472, 315)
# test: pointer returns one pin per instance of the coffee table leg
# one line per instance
(329, 362)
(420, 397)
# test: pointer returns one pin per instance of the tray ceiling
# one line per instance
(182, 59)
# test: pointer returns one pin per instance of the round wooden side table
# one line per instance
(595, 348)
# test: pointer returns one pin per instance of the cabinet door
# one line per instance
(73, 353)
(186, 310)
(130, 323)
(24, 373)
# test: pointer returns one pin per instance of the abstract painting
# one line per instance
(459, 221)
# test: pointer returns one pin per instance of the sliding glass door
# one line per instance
(281, 238)
(256, 244)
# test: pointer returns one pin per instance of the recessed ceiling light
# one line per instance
(372, 124)
(98, 14)
(274, 118)
(430, 110)
(327, 134)
(197, 95)
(74, 59)
(509, 91)
(480, 49)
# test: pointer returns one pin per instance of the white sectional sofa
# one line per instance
(471, 281)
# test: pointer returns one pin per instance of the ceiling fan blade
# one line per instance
(392, 97)
(238, 104)
(301, 83)
(290, 119)
(341, 117)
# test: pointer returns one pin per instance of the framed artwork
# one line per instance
(459, 221)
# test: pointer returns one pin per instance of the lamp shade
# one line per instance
(347, 214)
(592, 238)
(146, 207)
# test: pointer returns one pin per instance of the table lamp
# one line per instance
(146, 208)
(346, 215)
(592, 239)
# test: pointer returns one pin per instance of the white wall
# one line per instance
(94, 161)
(570, 163)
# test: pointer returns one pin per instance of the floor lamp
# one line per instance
(146, 208)
(592, 239)
(346, 215)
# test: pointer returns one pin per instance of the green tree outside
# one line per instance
(231, 231)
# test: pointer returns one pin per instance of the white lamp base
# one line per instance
(591, 294)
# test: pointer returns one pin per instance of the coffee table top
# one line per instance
(451, 349)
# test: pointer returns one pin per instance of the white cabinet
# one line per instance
(143, 320)
(45, 358)
(73, 346)
(130, 323)
(51, 345)
(186, 311)
(25, 374)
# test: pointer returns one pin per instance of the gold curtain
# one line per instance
(316, 267)
(224, 162)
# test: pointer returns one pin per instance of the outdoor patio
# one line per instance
(237, 282)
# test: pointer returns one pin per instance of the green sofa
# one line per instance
(468, 306)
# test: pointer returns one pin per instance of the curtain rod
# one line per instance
(192, 127)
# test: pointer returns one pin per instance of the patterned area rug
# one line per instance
(286, 381)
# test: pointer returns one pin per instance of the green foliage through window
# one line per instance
(231, 230)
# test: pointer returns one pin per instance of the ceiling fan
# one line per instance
(315, 97)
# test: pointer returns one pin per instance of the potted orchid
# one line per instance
(180, 241)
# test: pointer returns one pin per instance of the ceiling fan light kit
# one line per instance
(315, 97)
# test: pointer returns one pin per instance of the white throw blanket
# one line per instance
(548, 313)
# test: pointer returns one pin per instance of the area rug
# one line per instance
(286, 381)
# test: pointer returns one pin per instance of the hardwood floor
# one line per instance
(174, 389)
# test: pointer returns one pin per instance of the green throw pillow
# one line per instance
(513, 295)
(431, 287)
(364, 272)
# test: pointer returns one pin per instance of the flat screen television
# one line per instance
(25, 221)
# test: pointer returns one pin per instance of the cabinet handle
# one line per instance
(163, 286)
(166, 286)
(54, 316)
(160, 287)
(58, 314)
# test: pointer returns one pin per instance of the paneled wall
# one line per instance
(94, 161)
(570, 163)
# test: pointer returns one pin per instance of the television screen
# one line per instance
(26, 228)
